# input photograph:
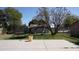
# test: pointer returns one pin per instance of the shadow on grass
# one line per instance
(20, 37)
(43, 36)
(73, 39)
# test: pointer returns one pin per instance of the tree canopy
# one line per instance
(54, 16)
(10, 17)
(70, 20)
(14, 15)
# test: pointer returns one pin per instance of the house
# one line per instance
(74, 29)
(42, 28)
(34, 28)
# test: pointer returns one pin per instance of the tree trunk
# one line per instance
(56, 29)
(4, 25)
(50, 30)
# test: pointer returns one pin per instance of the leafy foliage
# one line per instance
(70, 20)
(10, 18)
(14, 15)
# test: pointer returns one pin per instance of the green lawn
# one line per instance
(36, 36)
(12, 36)
(20, 37)
(49, 36)
(42, 36)
(63, 36)
(5, 36)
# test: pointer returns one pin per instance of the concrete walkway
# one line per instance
(37, 45)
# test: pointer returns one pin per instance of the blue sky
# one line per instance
(29, 12)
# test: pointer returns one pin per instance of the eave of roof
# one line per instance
(74, 22)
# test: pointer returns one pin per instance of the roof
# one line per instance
(33, 25)
(75, 22)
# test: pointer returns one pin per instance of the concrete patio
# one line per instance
(37, 45)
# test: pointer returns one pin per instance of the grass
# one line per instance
(58, 36)
(49, 36)
(5, 36)
(36, 36)
(20, 37)
(63, 36)
(13, 37)
(74, 40)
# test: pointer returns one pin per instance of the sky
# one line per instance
(29, 12)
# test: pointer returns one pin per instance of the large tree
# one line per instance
(1, 16)
(14, 15)
(53, 16)
(3, 21)
(43, 14)
(58, 15)
(14, 18)
(69, 21)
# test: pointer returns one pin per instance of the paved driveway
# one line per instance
(37, 45)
